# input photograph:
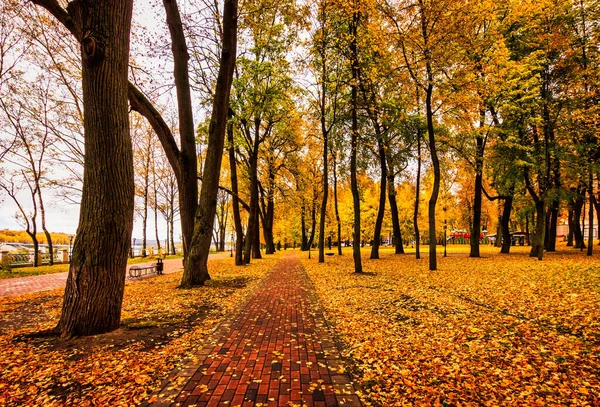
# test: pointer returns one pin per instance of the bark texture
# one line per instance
(196, 267)
(94, 290)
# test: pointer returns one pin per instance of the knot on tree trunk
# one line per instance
(92, 49)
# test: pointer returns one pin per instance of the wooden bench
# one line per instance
(140, 271)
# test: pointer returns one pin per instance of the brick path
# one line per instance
(10, 287)
(277, 351)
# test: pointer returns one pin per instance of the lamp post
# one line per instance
(133, 249)
(231, 255)
(70, 245)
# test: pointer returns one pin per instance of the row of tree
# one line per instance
(325, 114)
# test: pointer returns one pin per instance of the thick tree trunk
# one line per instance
(505, 224)
(235, 201)
(96, 282)
(196, 262)
(354, 145)
(337, 212)
(382, 195)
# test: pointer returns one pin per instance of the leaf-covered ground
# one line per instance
(161, 326)
(498, 330)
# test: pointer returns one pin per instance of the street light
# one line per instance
(70, 245)
(231, 255)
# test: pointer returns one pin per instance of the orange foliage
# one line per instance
(500, 330)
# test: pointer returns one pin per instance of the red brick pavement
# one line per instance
(277, 351)
(10, 287)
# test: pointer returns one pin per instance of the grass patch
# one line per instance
(33, 271)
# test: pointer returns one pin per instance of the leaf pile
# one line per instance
(499, 330)
(161, 326)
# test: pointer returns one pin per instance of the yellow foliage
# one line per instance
(20, 236)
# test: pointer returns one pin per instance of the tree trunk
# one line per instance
(597, 207)
(43, 219)
(253, 215)
(267, 215)
(354, 144)
(476, 230)
(527, 235)
(36, 249)
(537, 247)
(577, 232)
(382, 194)
(337, 212)
(235, 201)
(313, 222)
(436, 179)
(256, 254)
(324, 132)
(96, 282)
(417, 199)
(590, 248)
(397, 238)
(570, 233)
(172, 230)
(155, 206)
(167, 244)
(304, 244)
(552, 225)
(146, 192)
(505, 224)
(188, 181)
(196, 263)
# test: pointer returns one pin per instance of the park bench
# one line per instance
(140, 271)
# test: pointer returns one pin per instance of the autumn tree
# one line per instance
(94, 291)
(426, 36)
(205, 214)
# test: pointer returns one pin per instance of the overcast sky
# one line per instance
(63, 217)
